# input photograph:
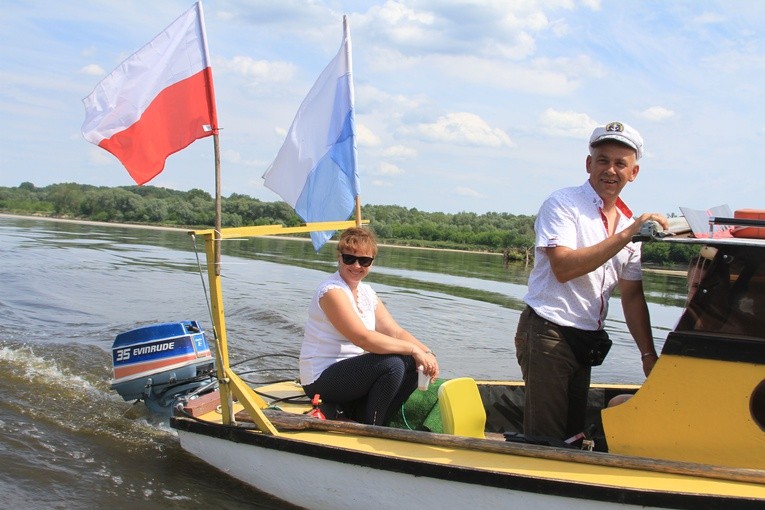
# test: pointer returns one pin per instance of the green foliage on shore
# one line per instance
(494, 232)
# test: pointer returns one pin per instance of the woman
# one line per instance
(353, 350)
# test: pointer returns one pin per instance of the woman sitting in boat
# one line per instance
(353, 350)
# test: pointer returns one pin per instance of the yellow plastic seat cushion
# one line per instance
(461, 408)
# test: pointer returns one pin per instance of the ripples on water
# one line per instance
(67, 290)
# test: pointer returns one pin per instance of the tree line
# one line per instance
(498, 232)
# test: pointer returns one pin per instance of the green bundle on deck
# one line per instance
(420, 411)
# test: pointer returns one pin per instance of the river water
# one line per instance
(67, 289)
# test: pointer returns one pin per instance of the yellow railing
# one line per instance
(231, 385)
(272, 230)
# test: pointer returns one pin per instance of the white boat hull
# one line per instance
(319, 483)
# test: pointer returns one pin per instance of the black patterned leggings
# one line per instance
(384, 381)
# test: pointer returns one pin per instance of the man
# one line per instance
(583, 251)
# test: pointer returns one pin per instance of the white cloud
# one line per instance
(231, 156)
(522, 46)
(365, 137)
(93, 70)
(560, 28)
(100, 157)
(542, 76)
(735, 61)
(489, 28)
(388, 169)
(399, 151)
(709, 18)
(461, 128)
(592, 4)
(657, 113)
(381, 184)
(567, 124)
(404, 25)
(234, 157)
(370, 98)
(258, 71)
(393, 23)
(467, 192)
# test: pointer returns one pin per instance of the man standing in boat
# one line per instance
(583, 251)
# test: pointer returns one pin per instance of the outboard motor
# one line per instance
(161, 363)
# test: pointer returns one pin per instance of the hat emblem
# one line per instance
(616, 127)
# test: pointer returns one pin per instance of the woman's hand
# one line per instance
(427, 360)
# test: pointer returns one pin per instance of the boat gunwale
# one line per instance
(290, 422)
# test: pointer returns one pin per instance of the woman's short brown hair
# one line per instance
(357, 239)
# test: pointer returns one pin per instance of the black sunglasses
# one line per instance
(349, 260)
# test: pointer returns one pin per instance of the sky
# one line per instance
(461, 105)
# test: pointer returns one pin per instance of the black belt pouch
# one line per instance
(589, 347)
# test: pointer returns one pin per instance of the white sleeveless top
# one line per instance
(323, 345)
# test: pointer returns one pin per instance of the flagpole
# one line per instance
(347, 36)
(218, 214)
(216, 139)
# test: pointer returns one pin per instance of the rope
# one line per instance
(204, 287)
(274, 355)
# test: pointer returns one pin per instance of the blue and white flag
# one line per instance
(315, 170)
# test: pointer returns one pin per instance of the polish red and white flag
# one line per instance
(158, 101)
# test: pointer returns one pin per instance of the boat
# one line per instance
(691, 436)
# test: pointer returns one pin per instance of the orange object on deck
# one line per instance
(749, 232)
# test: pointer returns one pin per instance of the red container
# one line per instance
(750, 232)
